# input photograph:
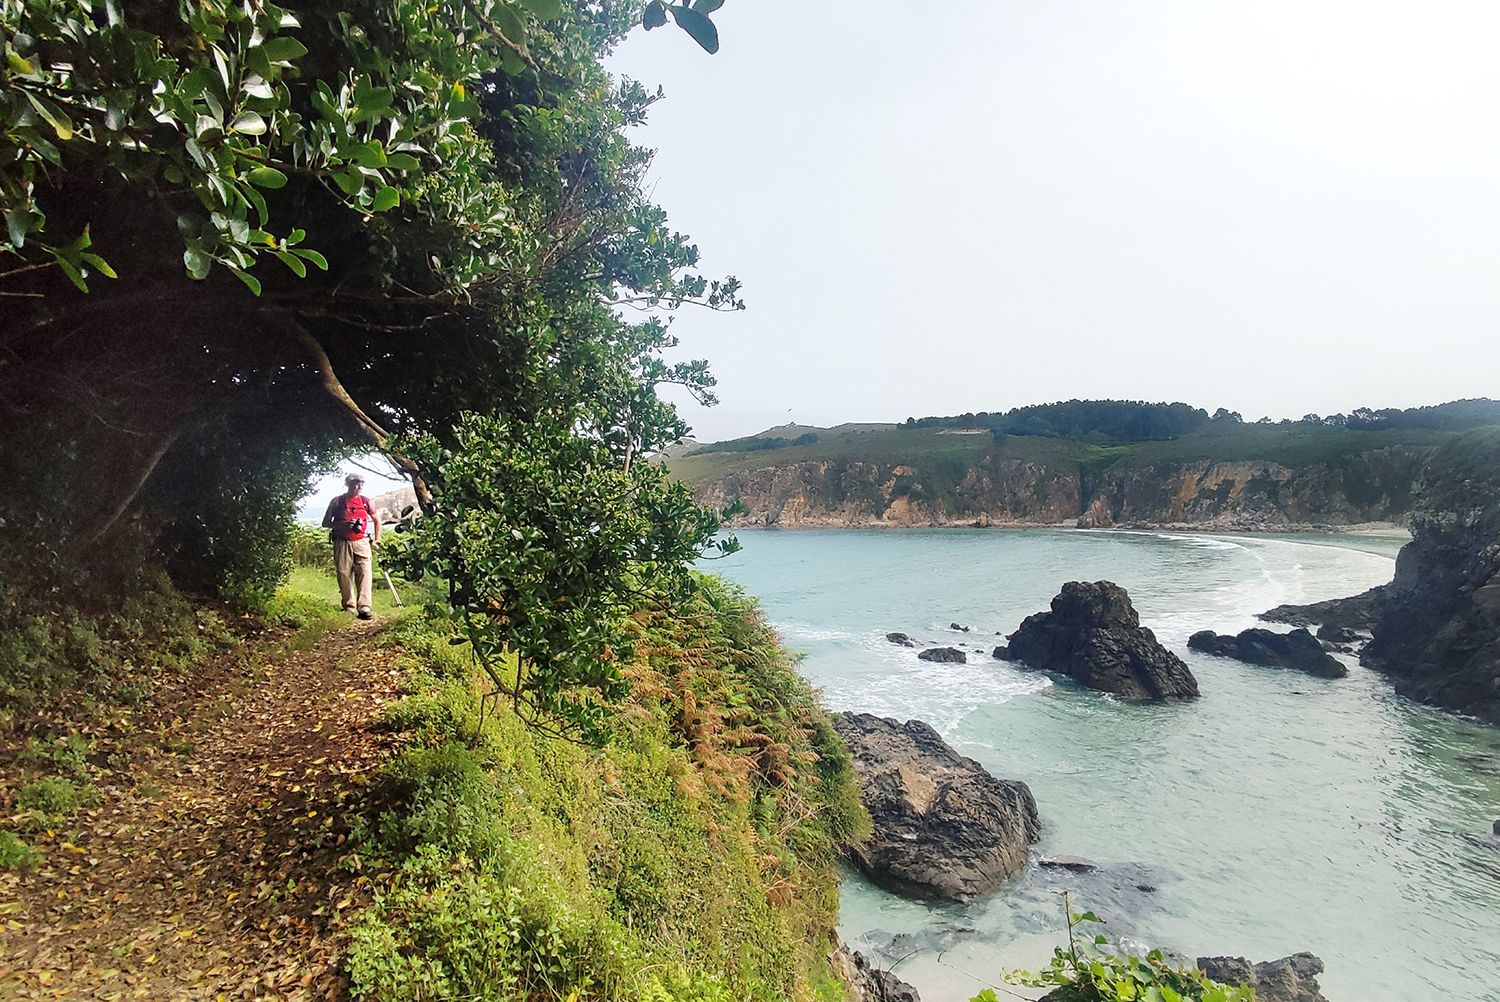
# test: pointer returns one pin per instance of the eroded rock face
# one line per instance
(943, 826)
(1094, 636)
(1436, 627)
(946, 655)
(1297, 650)
(1290, 979)
(866, 982)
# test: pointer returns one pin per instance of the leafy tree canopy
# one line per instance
(245, 238)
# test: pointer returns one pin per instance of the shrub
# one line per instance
(311, 547)
(15, 854)
(1092, 969)
(54, 797)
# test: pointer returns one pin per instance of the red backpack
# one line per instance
(353, 518)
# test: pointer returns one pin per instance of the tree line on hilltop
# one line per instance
(1140, 421)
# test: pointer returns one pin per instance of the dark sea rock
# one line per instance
(1297, 650)
(1333, 648)
(1497, 828)
(1437, 630)
(947, 655)
(1064, 862)
(955, 626)
(1333, 633)
(1290, 979)
(943, 826)
(1002, 653)
(1354, 613)
(900, 640)
(1436, 627)
(866, 982)
(1094, 636)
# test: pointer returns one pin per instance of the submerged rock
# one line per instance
(900, 640)
(1094, 636)
(960, 629)
(947, 655)
(1064, 862)
(943, 826)
(866, 982)
(1290, 979)
(1297, 650)
(1336, 634)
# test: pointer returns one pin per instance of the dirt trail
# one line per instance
(210, 867)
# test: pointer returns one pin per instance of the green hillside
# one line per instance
(936, 449)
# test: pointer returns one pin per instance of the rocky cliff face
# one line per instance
(1252, 494)
(839, 494)
(1437, 624)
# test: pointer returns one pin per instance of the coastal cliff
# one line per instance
(1437, 624)
(1436, 627)
(1235, 495)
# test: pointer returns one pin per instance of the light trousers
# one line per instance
(351, 559)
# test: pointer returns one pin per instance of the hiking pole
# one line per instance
(389, 584)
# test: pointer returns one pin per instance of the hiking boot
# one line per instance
(366, 614)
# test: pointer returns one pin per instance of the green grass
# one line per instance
(691, 860)
(315, 591)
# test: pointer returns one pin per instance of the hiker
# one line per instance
(354, 527)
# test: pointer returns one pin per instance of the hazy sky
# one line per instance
(1277, 207)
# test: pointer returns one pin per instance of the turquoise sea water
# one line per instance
(1277, 813)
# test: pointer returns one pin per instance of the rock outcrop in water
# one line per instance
(1290, 979)
(1436, 633)
(1093, 636)
(1436, 627)
(900, 640)
(1297, 650)
(944, 655)
(943, 826)
(1354, 613)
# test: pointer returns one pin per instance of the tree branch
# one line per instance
(372, 431)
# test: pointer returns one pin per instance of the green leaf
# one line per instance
(403, 161)
(249, 123)
(313, 256)
(293, 262)
(74, 275)
(54, 116)
(100, 265)
(656, 15)
(512, 63)
(370, 154)
(385, 199)
(283, 49)
(546, 9)
(510, 23)
(266, 177)
(257, 200)
(18, 223)
(697, 25)
(196, 262)
(18, 63)
(707, 6)
(251, 282)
